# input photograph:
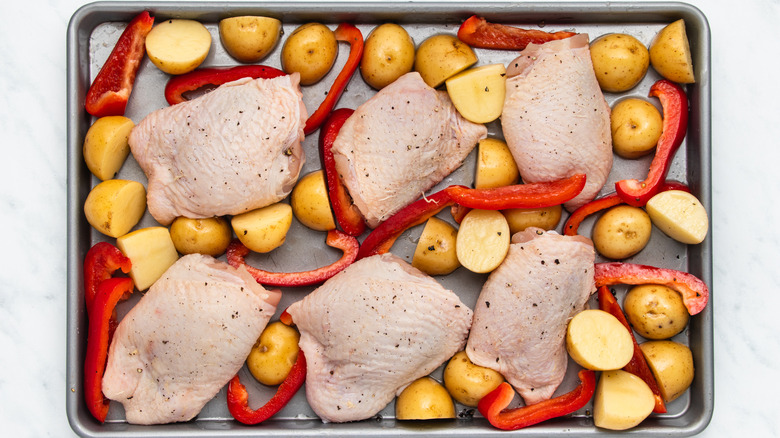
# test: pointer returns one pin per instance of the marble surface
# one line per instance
(746, 239)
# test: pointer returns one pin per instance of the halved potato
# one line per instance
(435, 252)
(598, 341)
(670, 54)
(310, 203)
(672, 366)
(151, 252)
(424, 399)
(478, 94)
(178, 46)
(483, 240)
(442, 56)
(496, 166)
(249, 38)
(622, 400)
(680, 215)
(115, 206)
(263, 229)
(105, 145)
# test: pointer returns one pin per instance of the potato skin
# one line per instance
(248, 38)
(435, 252)
(387, 55)
(274, 353)
(619, 60)
(655, 311)
(670, 54)
(424, 399)
(311, 51)
(496, 166)
(546, 218)
(264, 229)
(621, 232)
(105, 145)
(442, 56)
(466, 382)
(115, 206)
(672, 366)
(636, 125)
(209, 236)
(310, 203)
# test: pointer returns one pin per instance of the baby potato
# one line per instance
(442, 56)
(483, 240)
(274, 354)
(209, 236)
(388, 54)
(105, 145)
(598, 341)
(620, 61)
(655, 311)
(546, 218)
(466, 382)
(478, 94)
(263, 229)
(151, 251)
(672, 366)
(178, 46)
(311, 51)
(496, 166)
(248, 38)
(670, 54)
(435, 252)
(622, 232)
(622, 400)
(424, 399)
(310, 203)
(115, 206)
(636, 126)
(679, 215)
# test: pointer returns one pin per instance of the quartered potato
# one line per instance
(263, 229)
(115, 206)
(680, 215)
(622, 400)
(442, 56)
(495, 165)
(483, 240)
(209, 236)
(105, 146)
(151, 251)
(248, 38)
(424, 399)
(478, 94)
(435, 252)
(598, 341)
(178, 46)
(670, 54)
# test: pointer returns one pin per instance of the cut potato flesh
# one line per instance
(680, 215)
(483, 240)
(496, 166)
(622, 400)
(263, 229)
(151, 251)
(478, 94)
(598, 341)
(178, 46)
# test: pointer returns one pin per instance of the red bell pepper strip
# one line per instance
(492, 405)
(478, 32)
(101, 261)
(236, 253)
(572, 225)
(638, 364)
(347, 215)
(695, 293)
(110, 91)
(177, 86)
(238, 398)
(109, 293)
(351, 34)
(675, 109)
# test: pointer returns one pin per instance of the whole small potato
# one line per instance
(467, 382)
(424, 399)
(670, 53)
(636, 126)
(655, 311)
(209, 236)
(310, 203)
(105, 145)
(274, 354)
(115, 206)
(311, 51)
(435, 252)
(387, 55)
(496, 166)
(546, 218)
(620, 61)
(622, 232)
(442, 56)
(672, 366)
(248, 38)
(264, 229)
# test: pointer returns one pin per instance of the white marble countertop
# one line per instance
(744, 164)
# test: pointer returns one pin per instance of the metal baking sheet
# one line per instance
(92, 33)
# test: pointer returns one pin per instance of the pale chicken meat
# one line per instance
(400, 143)
(522, 312)
(370, 331)
(229, 151)
(185, 339)
(555, 119)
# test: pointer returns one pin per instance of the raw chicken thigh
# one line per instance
(232, 150)
(370, 331)
(522, 312)
(399, 144)
(555, 118)
(185, 339)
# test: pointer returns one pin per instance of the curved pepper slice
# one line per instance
(236, 253)
(177, 86)
(351, 34)
(638, 364)
(695, 293)
(347, 215)
(101, 261)
(675, 109)
(110, 91)
(109, 293)
(238, 398)
(478, 32)
(492, 405)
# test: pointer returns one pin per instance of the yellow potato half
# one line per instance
(151, 251)
(424, 399)
(435, 252)
(203, 236)
(249, 38)
(310, 203)
(274, 354)
(680, 215)
(115, 206)
(598, 341)
(467, 382)
(388, 54)
(670, 54)
(483, 240)
(672, 366)
(442, 56)
(478, 93)
(622, 400)
(496, 166)
(178, 46)
(263, 229)
(105, 145)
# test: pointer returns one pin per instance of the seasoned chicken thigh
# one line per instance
(555, 119)
(521, 315)
(185, 339)
(370, 331)
(232, 150)
(399, 144)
